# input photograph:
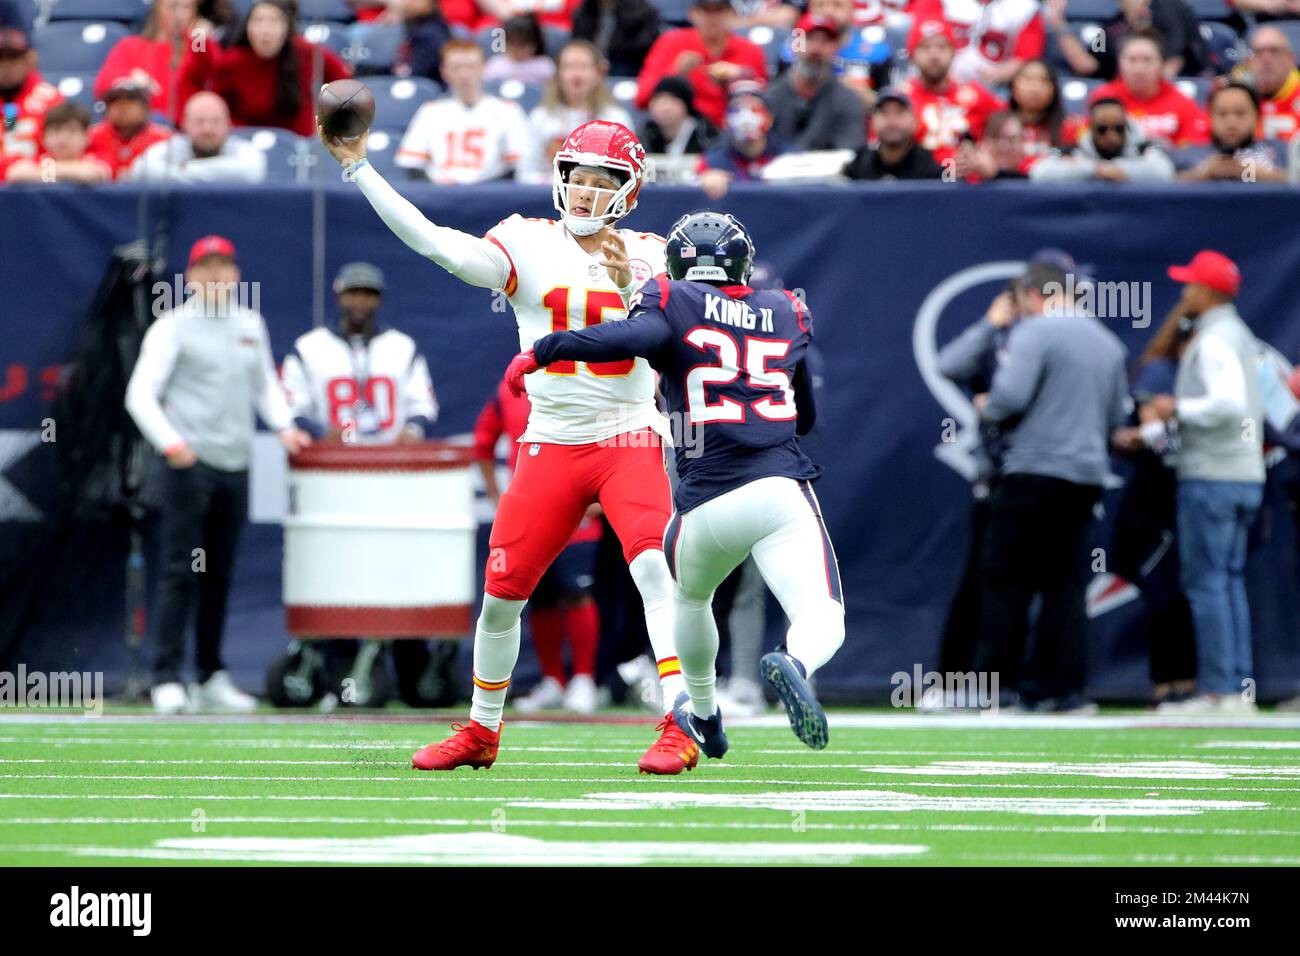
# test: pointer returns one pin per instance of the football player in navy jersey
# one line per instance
(733, 366)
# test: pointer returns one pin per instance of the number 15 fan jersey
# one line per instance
(733, 369)
(555, 285)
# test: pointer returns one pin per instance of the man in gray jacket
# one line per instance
(1218, 412)
(1063, 384)
(811, 109)
(203, 368)
(1113, 150)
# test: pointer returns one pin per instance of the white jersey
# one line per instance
(376, 387)
(555, 285)
(458, 144)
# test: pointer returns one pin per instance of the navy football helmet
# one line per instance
(710, 247)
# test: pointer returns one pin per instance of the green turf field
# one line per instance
(891, 789)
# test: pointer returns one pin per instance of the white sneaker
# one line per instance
(1237, 705)
(580, 695)
(1196, 704)
(169, 698)
(219, 695)
(740, 698)
(548, 695)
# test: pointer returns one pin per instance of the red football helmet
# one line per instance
(607, 146)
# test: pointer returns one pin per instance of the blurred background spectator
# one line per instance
(810, 108)
(126, 130)
(25, 96)
(578, 93)
(267, 73)
(524, 57)
(1145, 544)
(994, 37)
(896, 154)
(1112, 150)
(747, 143)
(203, 151)
(425, 33)
(1272, 69)
(1166, 115)
(623, 30)
(672, 126)
(1064, 384)
(62, 157)
(469, 136)
(708, 54)
(1034, 95)
(152, 57)
(999, 155)
(1220, 426)
(948, 110)
(1233, 154)
(1182, 49)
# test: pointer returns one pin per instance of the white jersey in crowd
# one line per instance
(378, 387)
(549, 127)
(992, 31)
(457, 144)
(555, 285)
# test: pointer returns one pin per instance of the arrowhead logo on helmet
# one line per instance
(609, 147)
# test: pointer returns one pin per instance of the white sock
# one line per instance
(496, 649)
(696, 634)
(816, 634)
(650, 572)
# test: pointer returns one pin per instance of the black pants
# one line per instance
(962, 629)
(203, 512)
(1036, 544)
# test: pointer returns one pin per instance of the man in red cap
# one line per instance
(811, 109)
(946, 111)
(126, 130)
(25, 97)
(1218, 414)
(707, 54)
(203, 368)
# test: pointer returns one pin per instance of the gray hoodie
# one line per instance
(1141, 161)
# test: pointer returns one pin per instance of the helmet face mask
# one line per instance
(613, 151)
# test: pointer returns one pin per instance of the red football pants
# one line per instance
(552, 487)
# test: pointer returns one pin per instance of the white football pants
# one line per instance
(779, 521)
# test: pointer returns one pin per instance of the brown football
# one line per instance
(345, 108)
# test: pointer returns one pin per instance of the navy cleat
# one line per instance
(707, 733)
(807, 719)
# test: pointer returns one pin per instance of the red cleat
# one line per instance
(672, 753)
(473, 746)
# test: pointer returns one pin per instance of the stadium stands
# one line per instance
(123, 11)
(285, 152)
(527, 95)
(1091, 9)
(338, 11)
(373, 47)
(79, 88)
(76, 46)
(397, 99)
(335, 36)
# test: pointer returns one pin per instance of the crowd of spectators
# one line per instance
(981, 90)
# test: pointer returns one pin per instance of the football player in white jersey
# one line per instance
(358, 382)
(594, 433)
(469, 136)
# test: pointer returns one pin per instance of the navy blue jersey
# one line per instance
(732, 361)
